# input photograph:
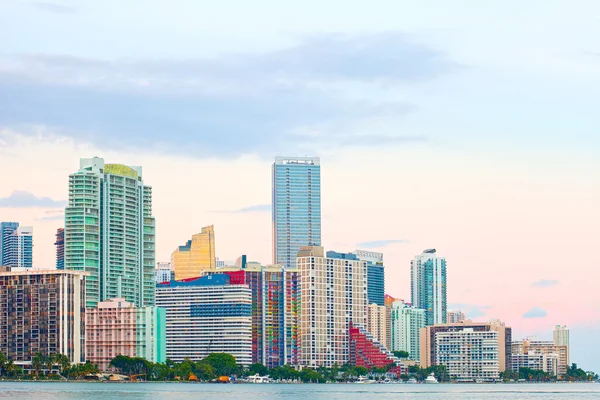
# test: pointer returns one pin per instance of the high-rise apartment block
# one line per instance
(561, 338)
(428, 286)
(454, 316)
(533, 345)
(296, 207)
(375, 275)
(60, 248)
(333, 295)
(196, 256)
(42, 311)
(469, 355)
(164, 272)
(116, 327)
(429, 349)
(407, 322)
(379, 323)
(16, 243)
(207, 315)
(110, 232)
(6, 229)
(275, 311)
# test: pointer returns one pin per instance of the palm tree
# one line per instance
(37, 362)
(3, 362)
(63, 361)
(49, 363)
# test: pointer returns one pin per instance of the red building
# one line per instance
(366, 351)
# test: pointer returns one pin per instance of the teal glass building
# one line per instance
(296, 207)
(428, 286)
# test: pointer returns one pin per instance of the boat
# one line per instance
(431, 379)
(258, 379)
(364, 379)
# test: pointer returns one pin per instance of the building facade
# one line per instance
(110, 232)
(537, 361)
(196, 256)
(378, 323)
(561, 338)
(207, 315)
(407, 322)
(454, 316)
(296, 207)
(428, 335)
(6, 229)
(366, 351)
(532, 345)
(333, 295)
(164, 272)
(60, 248)
(116, 327)
(17, 245)
(469, 355)
(42, 311)
(275, 312)
(428, 286)
(375, 275)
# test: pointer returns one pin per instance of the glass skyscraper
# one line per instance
(375, 275)
(16, 245)
(428, 286)
(296, 207)
(109, 232)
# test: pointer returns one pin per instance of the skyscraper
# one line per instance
(296, 207)
(428, 286)
(196, 256)
(561, 338)
(17, 245)
(375, 275)
(333, 296)
(6, 229)
(60, 248)
(407, 322)
(109, 232)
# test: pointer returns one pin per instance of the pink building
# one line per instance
(117, 327)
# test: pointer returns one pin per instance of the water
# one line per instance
(184, 391)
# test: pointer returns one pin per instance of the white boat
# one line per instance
(364, 379)
(431, 379)
(258, 379)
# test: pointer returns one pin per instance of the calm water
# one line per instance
(177, 391)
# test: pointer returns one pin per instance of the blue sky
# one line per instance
(468, 126)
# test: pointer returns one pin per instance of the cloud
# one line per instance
(472, 311)
(379, 243)
(236, 104)
(250, 209)
(23, 199)
(54, 7)
(544, 283)
(535, 312)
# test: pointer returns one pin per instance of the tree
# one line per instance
(37, 362)
(402, 354)
(222, 363)
(258, 368)
(3, 363)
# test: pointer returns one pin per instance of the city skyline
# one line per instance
(472, 132)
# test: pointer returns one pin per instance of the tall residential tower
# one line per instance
(16, 243)
(428, 286)
(296, 207)
(109, 232)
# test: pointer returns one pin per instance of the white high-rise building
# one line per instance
(407, 322)
(561, 338)
(469, 355)
(428, 286)
(455, 316)
(164, 272)
(334, 294)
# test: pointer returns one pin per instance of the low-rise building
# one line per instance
(532, 345)
(537, 361)
(116, 327)
(42, 311)
(207, 315)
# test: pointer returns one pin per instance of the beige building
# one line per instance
(378, 323)
(334, 294)
(196, 256)
(428, 334)
(532, 345)
(454, 316)
(561, 338)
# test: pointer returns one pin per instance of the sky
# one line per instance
(472, 127)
